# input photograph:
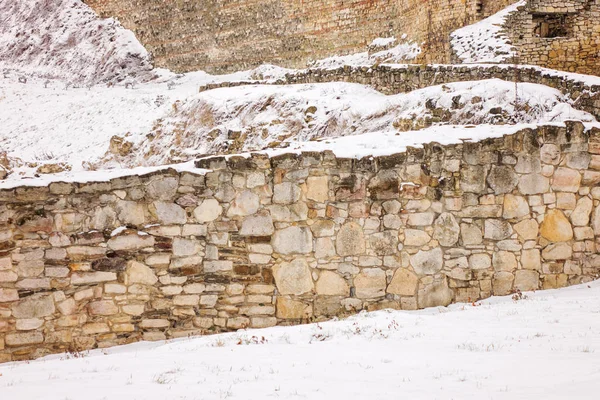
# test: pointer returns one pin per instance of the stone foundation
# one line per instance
(255, 242)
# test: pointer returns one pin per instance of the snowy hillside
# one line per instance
(544, 346)
(485, 41)
(65, 39)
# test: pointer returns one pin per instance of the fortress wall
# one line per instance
(257, 242)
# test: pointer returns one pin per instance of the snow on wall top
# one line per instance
(65, 39)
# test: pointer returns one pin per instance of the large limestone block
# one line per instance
(130, 213)
(293, 277)
(293, 309)
(530, 259)
(208, 211)
(446, 230)
(533, 184)
(168, 213)
(550, 154)
(317, 188)
(480, 261)
(557, 251)
(504, 261)
(370, 283)
(427, 262)
(293, 240)
(323, 228)
(404, 283)
(581, 214)
(473, 178)
(244, 203)
(103, 307)
(527, 229)
(324, 248)
(434, 295)
(332, 284)
(416, 237)
(470, 234)
(130, 242)
(502, 283)
(36, 306)
(350, 240)
(260, 224)
(286, 193)
(497, 229)
(8, 295)
(162, 188)
(515, 207)
(527, 280)
(24, 339)
(139, 273)
(502, 179)
(566, 180)
(556, 227)
(384, 243)
(186, 247)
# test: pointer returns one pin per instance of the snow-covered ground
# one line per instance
(485, 41)
(168, 121)
(545, 346)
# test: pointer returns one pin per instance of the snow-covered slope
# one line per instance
(485, 41)
(65, 39)
(545, 346)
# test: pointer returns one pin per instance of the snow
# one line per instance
(546, 345)
(65, 39)
(485, 41)
(405, 51)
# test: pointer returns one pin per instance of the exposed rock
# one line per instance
(566, 180)
(293, 277)
(526, 280)
(533, 184)
(480, 261)
(550, 154)
(370, 283)
(350, 240)
(130, 242)
(139, 273)
(119, 146)
(527, 229)
(286, 193)
(497, 229)
(427, 262)
(446, 230)
(502, 283)
(557, 251)
(317, 188)
(504, 261)
(473, 178)
(323, 227)
(470, 234)
(36, 306)
(260, 224)
(293, 239)
(293, 309)
(404, 283)
(556, 227)
(162, 188)
(530, 259)
(581, 214)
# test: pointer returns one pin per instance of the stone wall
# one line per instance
(220, 36)
(558, 34)
(392, 79)
(255, 242)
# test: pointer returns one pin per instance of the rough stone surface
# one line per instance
(556, 227)
(370, 283)
(427, 262)
(293, 240)
(293, 277)
(446, 230)
(350, 240)
(404, 283)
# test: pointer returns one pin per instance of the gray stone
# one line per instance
(446, 230)
(293, 239)
(245, 203)
(497, 229)
(550, 154)
(208, 211)
(384, 243)
(480, 261)
(130, 213)
(504, 261)
(293, 277)
(581, 214)
(286, 193)
(350, 240)
(533, 184)
(162, 188)
(130, 242)
(260, 224)
(168, 213)
(35, 306)
(435, 295)
(427, 262)
(472, 178)
(416, 237)
(502, 179)
(470, 234)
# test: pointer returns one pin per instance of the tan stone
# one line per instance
(36, 306)
(293, 309)
(504, 261)
(446, 230)
(103, 307)
(556, 227)
(317, 188)
(286, 193)
(130, 242)
(130, 212)
(293, 277)
(557, 251)
(502, 283)
(527, 229)
(257, 225)
(322, 228)
(404, 283)
(416, 237)
(168, 213)
(208, 211)
(497, 229)
(526, 280)
(480, 261)
(581, 214)
(332, 284)
(370, 283)
(86, 278)
(427, 262)
(530, 259)
(434, 295)
(186, 247)
(29, 324)
(533, 184)
(23, 339)
(186, 300)
(244, 203)
(515, 207)
(293, 240)
(470, 234)
(8, 295)
(350, 240)
(384, 243)
(139, 273)
(566, 180)
(324, 248)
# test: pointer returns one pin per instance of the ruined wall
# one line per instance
(392, 79)
(569, 41)
(219, 35)
(258, 242)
